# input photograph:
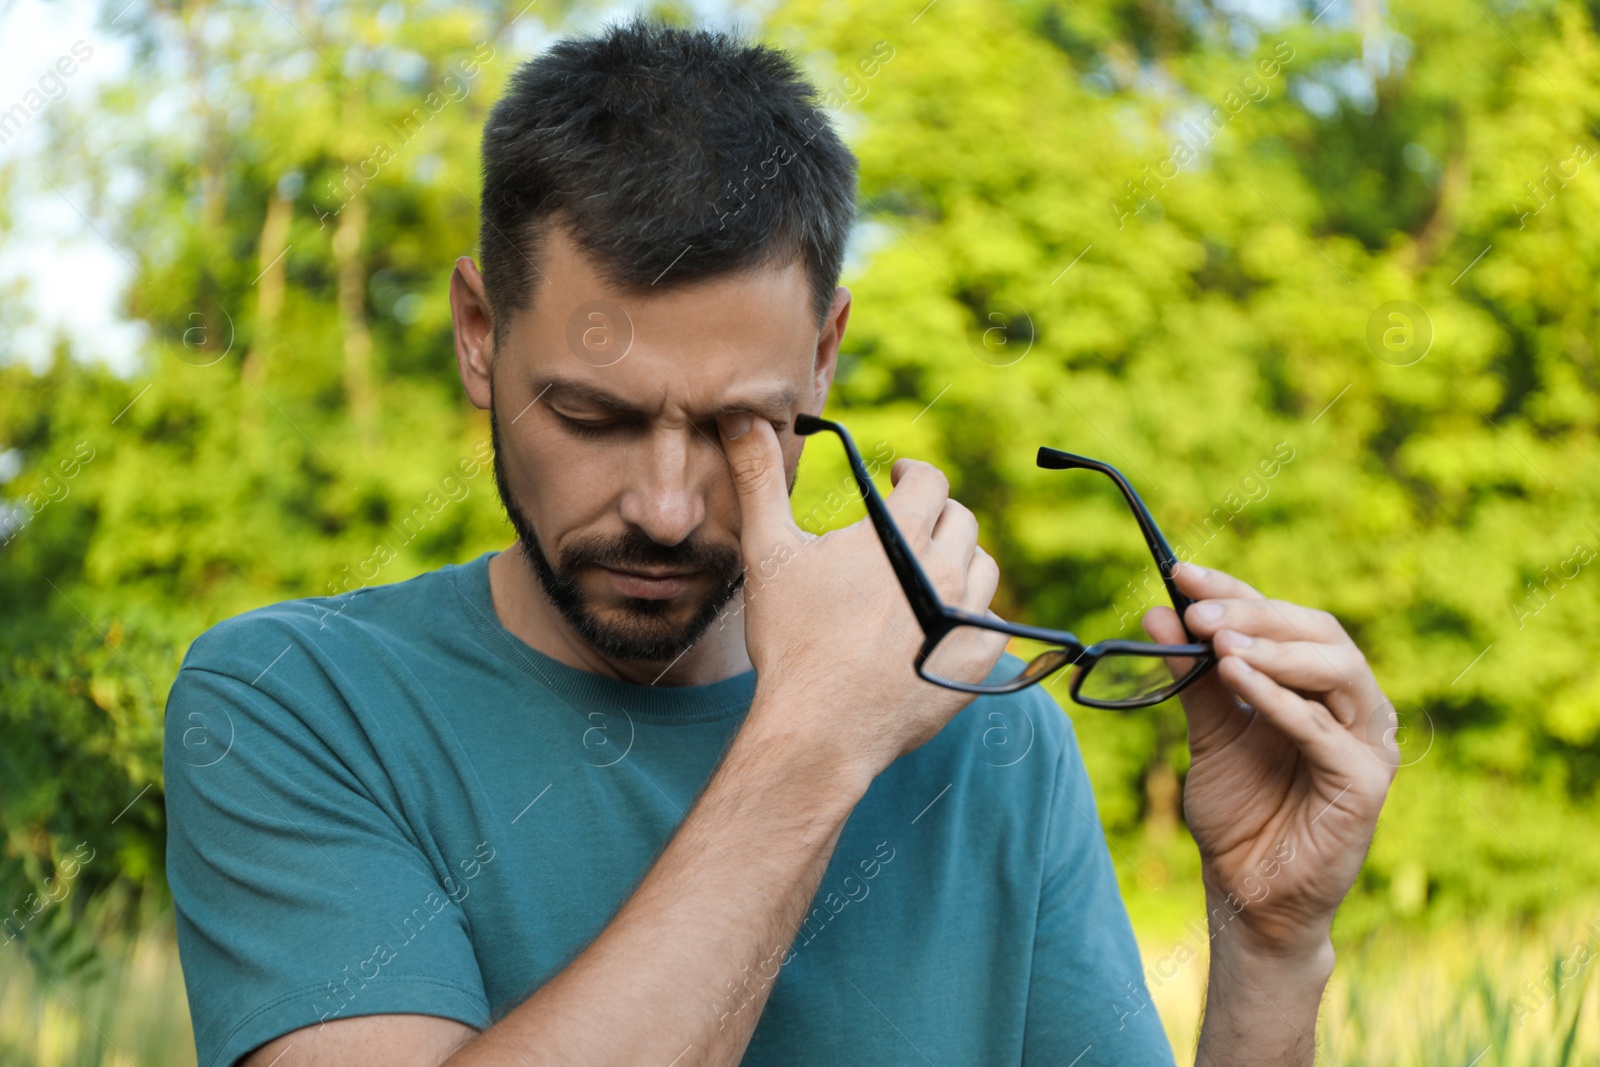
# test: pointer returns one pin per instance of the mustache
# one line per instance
(634, 549)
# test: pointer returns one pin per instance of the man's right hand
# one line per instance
(828, 627)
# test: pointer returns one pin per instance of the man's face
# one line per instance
(603, 407)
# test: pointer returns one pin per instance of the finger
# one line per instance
(983, 580)
(1203, 583)
(756, 459)
(1162, 624)
(1339, 670)
(1260, 617)
(1321, 738)
(918, 499)
(957, 528)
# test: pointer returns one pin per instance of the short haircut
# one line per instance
(668, 156)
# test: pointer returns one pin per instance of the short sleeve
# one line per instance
(1087, 1000)
(299, 896)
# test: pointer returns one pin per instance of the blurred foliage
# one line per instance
(303, 179)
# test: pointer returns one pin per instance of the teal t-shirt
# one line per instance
(387, 802)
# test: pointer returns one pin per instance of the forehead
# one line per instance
(743, 341)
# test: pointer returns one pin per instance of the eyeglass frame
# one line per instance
(938, 619)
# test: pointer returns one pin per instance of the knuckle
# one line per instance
(921, 469)
(1322, 720)
(985, 571)
(963, 514)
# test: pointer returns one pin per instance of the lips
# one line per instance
(659, 585)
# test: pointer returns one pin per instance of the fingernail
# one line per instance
(1239, 640)
(733, 427)
(1244, 667)
(1195, 569)
(1206, 611)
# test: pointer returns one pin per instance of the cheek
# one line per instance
(561, 483)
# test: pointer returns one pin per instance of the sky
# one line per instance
(72, 276)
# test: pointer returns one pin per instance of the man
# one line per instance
(606, 797)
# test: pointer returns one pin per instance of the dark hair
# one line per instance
(668, 155)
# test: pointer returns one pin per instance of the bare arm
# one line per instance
(1262, 1009)
(721, 905)
(723, 902)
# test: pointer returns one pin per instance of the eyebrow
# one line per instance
(774, 403)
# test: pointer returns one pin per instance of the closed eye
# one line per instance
(580, 428)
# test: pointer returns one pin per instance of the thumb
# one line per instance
(751, 447)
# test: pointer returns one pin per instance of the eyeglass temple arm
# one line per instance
(1166, 559)
(919, 591)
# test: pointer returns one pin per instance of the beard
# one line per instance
(649, 631)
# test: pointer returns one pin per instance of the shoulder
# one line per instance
(400, 613)
(308, 673)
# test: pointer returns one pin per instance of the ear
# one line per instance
(474, 328)
(827, 361)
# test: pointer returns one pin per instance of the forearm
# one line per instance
(687, 963)
(1261, 1007)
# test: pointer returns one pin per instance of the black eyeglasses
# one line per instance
(1114, 673)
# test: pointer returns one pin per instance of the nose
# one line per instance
(665, 496)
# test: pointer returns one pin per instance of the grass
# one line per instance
(1467, 995)
(1480, 995)
(135, 1013)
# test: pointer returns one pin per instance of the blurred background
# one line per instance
(1314, 275)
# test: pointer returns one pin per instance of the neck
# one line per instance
(523, 609)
